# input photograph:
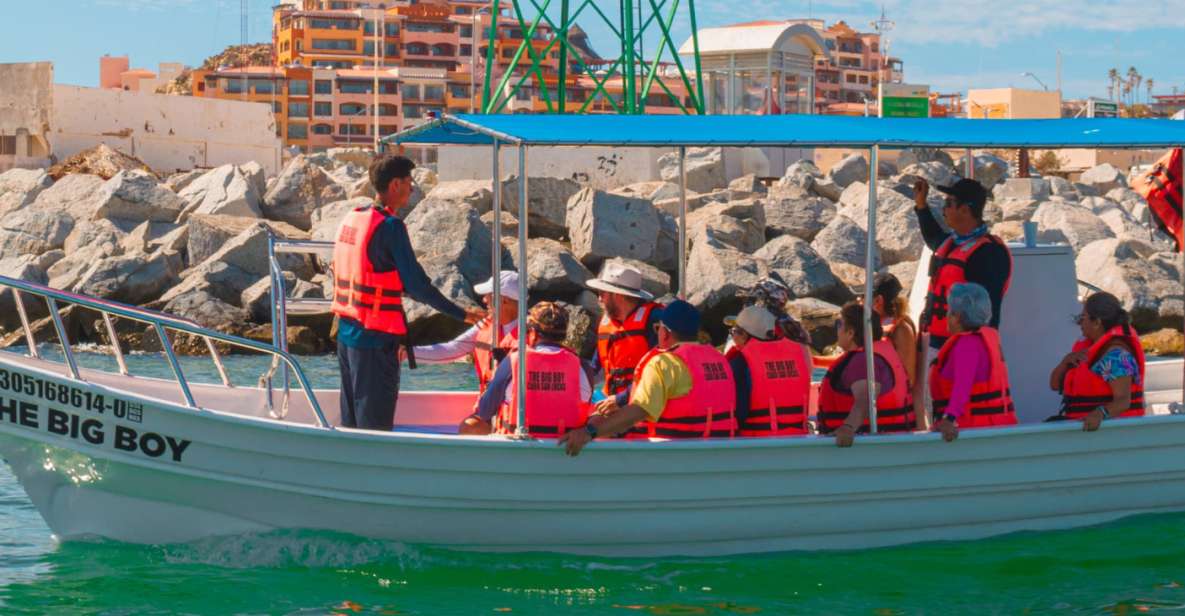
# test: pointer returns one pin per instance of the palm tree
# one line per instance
(1132, 83)
(1148, 84)
(1113, 78)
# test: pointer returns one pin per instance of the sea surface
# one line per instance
(1135, 566)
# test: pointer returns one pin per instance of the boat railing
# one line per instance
(161, 323)
(282, 305)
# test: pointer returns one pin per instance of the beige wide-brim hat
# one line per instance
(620, 279)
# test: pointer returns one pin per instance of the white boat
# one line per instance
(147, 460)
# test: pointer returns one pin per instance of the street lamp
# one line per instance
(1035, 78)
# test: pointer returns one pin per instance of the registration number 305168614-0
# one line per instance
(67, 395)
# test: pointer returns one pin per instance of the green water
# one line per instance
(1133, 566)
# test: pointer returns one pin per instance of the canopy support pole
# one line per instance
(869, 271)
(496, 256)
(1182, 171)
(521, 397)
(970, 173)
(682, 222)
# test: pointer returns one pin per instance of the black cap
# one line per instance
(681, 318)
(967, 191)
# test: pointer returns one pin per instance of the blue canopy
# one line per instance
(791, 131)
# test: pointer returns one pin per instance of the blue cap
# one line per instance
(681, 318)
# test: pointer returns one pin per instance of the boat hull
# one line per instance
(179, 474)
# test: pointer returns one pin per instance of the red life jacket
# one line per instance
(483, 350)
(708, 409)
(1083, 390)
(553, 402)
(780, 377)
(948, 268)
(371, 298)
(991, 400)
(621, 346)
(894, 408)
(1161, 187)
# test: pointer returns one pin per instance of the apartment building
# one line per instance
(856, 66)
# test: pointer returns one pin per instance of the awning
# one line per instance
(791, 131)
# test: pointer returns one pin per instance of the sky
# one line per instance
(952, 45)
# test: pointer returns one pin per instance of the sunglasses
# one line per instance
(1079, 318)
(736, 331)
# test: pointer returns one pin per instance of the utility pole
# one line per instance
(1059, 72)
(243, 47)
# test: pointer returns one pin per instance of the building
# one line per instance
(115, 74)
(423, 57)
(1013, 104)
(793, 66)
(41, 122)
(1167, 104)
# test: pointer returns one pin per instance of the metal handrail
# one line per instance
(160, 322)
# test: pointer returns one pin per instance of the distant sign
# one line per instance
(901, 100)
(1100, 108)
(990, 111)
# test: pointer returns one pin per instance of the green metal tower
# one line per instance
(638, 24)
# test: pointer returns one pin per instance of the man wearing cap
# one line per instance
(558, 389)
(967, 254)
(374, 266)
(626, 331)
(478, 341)
(683, 389)
(772, 375)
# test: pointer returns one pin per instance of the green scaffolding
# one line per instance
(639, 22)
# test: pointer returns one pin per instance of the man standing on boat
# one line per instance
(373, 267)
(967, 254)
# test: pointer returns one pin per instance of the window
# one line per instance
(352, 129)
(322, 129)
(323, 109)
(277, 108)
(388, 129)
(463, 10)
(442, 49)
(333, 24)
(507, 53)
(261, 87)
(391, 50)
(417, 49)
(7, 145)
(298, 110)
(368, 28)
(352, 109)
(387, 109)
(334, 44)
(355, 87)
(298, 87)
(458, 91)
(410, 91)
(466, 51)
(863, 78)
(233, 86)
(412, 111)
(434, 93)
(522, 94)
(851, 79)
(467, 31)
(421, 27)
(391, 28)
(298, 130)
(332, 64)
(368, 48)
(323, 86)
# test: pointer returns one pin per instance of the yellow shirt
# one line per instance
(664, 377)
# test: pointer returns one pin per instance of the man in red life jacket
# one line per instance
(682, 389)
(373, 268)
(772, 375)
(557, 391)
(967, 254)
(626, 330)
(478, 342)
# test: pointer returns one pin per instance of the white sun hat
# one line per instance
(621, 279)
(508, 286)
